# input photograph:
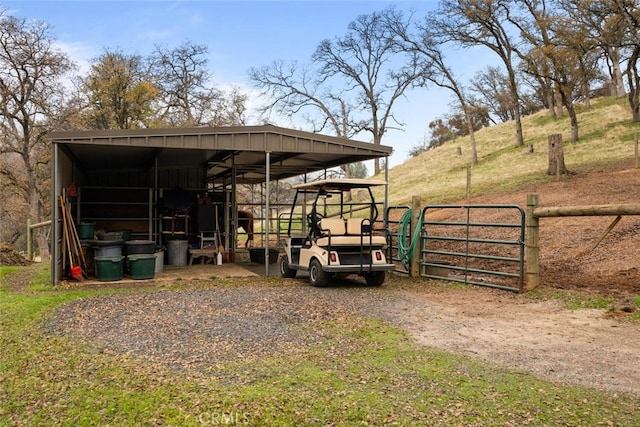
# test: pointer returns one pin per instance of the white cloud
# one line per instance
(80, 53)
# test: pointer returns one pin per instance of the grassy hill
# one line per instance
(440, 175)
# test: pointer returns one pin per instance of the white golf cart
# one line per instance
(337, 237)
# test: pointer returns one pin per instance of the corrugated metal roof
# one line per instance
(292, 152)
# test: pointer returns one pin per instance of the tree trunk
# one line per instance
(551, 105)
(558, 104)
(556, 156)
(472, 137)
(574, 122)
(43, 245)
(617, 80)
(633, 78)
(586, 95)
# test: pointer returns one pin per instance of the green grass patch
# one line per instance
(574, 300)
(634, 317)
(362, 372)
(4, 270)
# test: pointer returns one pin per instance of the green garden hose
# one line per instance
(406, 253)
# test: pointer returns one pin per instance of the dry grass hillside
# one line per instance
(603, 172)
(439, 175)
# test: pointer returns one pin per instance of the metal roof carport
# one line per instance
(192, 157)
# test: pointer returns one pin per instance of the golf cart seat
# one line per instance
(352, 232)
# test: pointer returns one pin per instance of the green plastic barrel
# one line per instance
(109, 268)
(142, 266)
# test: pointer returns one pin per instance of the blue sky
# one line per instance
(239, 35)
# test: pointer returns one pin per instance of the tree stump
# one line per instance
(556, 156)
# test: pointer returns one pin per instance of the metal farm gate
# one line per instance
(473, 244)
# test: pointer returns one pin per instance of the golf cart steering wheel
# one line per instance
(313, 219)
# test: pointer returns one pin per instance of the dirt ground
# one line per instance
(574, 347)
(591, 347)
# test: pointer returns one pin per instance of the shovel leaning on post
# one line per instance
(72, 241)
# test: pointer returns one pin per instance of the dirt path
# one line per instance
(567, 346)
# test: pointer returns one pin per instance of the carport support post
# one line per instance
(416, 210)
(531, 247)
(267, 208)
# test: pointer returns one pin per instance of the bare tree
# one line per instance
(349, 75)
(491, 86)
(186, 94)
(604, 26)
(483, 23)
(427, 47)
(630, 14)
(367, 59)
(535, 29)
(229, 109)
(31, 96)
(296, 90)
(566, 56)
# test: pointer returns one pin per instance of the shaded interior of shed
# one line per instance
(120, 179)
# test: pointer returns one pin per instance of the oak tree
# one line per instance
(119, 91)
(475, 23)
(31, 97)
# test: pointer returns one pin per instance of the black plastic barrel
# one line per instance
(135, 247)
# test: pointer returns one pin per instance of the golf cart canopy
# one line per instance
(338, 184)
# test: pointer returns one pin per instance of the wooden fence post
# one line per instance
(531, 246)
(29, 237)
(468, 182)
(636, 156)
(416, 259)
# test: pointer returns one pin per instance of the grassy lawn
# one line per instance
(363, 373)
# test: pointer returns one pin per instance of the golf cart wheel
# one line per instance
(375, 278)
(285, 271)
(317, 275)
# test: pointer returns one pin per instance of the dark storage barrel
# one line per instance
(126, 234)
(177, 251)
(107, 247)
(134, 247)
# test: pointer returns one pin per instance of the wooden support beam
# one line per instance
(607, 231)
(594, 210)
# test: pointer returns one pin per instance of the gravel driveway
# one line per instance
(195, 329)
